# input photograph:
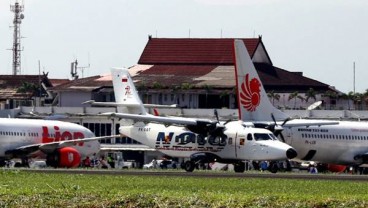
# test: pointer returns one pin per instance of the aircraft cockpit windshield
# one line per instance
(263, 136)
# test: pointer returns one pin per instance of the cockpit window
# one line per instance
(273, 137)
(261, 137)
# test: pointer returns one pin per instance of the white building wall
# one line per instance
(73, 99)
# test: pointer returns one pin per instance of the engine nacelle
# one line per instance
(66, 157)
(69, 157)
(336, 168)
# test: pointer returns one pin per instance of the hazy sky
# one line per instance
(321, 38)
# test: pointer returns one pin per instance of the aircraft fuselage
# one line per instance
(236, 143)
(343, 143)
(15, 133)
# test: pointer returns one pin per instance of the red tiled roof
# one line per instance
(278, 79)
(9, 85)
(171, 75)
(56, 82)
(274, 78)
(88, 84)
(193, 50)
(14, 81)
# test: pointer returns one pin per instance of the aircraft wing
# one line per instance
(50, 147)
(159, 119)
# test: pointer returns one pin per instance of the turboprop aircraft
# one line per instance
(63, 144)
(331, 142)
(201, 140)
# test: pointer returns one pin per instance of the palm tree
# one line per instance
(294, 96)
(310, 94)
(273, 96)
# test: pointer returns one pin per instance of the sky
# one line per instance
(321, 38)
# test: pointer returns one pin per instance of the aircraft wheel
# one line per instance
(239, 167)
(189, 166)
(2, 163)
(273, 167)
(18, 165)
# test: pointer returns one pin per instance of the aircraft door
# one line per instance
(232, 144)
(235, 143)
(288, 136)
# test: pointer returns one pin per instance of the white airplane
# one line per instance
(63, 144)
(343, 143)
(201, 140)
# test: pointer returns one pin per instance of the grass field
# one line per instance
(24, 189)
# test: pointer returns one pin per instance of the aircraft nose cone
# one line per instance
(291, 153)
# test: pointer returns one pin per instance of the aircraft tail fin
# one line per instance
(253, 102)
(125, 91)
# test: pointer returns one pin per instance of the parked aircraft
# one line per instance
(342, 142)
(63, 144)
(201, 140)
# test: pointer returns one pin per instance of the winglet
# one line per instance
(253, 102)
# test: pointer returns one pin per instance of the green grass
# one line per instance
(24, 189)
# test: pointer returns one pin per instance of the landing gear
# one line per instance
(52, 160)
(3, 163)
(189, 166)
(239, 167)
(273, 167)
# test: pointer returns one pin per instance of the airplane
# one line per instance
(336, 143)
(201, 140)
(63, 144)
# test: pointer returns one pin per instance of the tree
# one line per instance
(273, 96)
(310, 94)
(28, 87)
(294, 96)
(365, 98)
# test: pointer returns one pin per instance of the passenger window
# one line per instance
(230, 141)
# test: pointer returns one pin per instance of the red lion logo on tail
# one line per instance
(250, 96)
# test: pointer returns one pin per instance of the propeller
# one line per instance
(208, 128)
(217, 117)
(277, 129)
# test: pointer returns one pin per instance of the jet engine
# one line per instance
(66, 157)
(334, 168)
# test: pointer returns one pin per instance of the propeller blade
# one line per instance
(227, 121)
(286, 120)
(282, 137)
(216, 114)
(273, 118)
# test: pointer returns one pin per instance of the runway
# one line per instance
(206, 174)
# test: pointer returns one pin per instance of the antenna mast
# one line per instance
(18, 16)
